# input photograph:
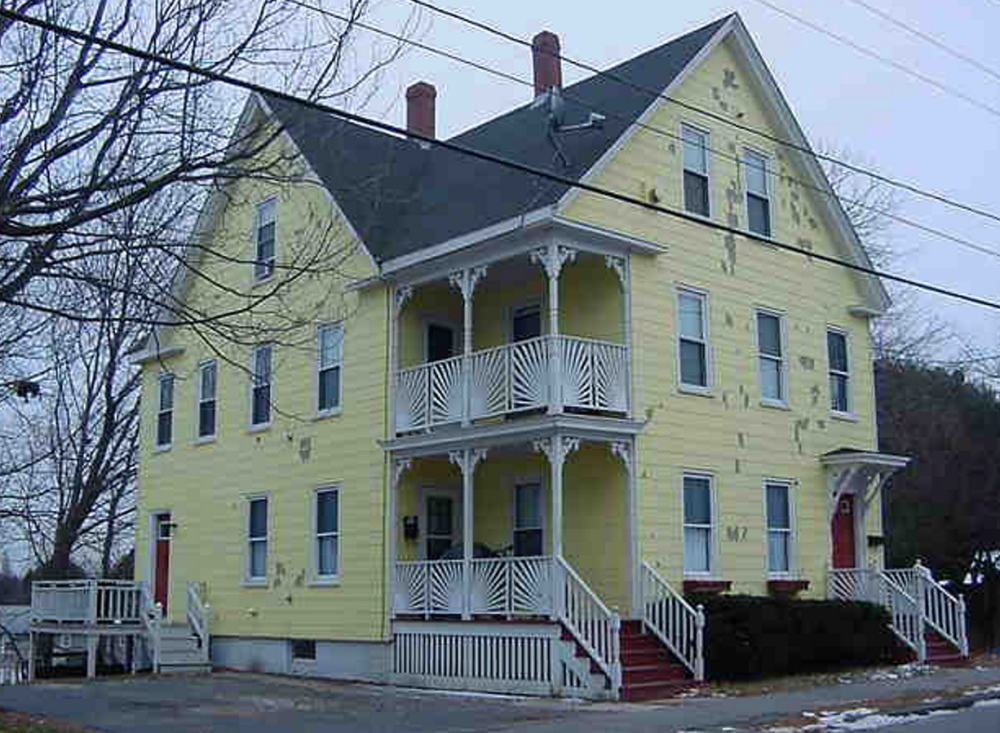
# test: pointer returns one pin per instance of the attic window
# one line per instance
(696, 198)
(758, 200)
(267, 214)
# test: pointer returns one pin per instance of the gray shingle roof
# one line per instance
(402, 197)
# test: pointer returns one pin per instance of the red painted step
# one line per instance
(649, 670)
(941, 651)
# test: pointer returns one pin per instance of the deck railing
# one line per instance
(592, 374)
(95, 602)
(680, 626)
(505, 586)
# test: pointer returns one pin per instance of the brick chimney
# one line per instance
(420, 108)
(548, 65)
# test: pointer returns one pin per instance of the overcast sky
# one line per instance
(901, 126)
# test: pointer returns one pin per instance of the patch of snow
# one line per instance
(867, 719)
(987, 703)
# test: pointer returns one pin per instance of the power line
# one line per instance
(474, 153)
(864, 50)
(927, 38)
(654, 94)
(927, 229)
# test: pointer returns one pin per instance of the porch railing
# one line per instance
(594, 626)
(505, 586)
(678, 625)
(874, 586)
(944, 612)
(96, 602)
(513, 378)
(199, 615)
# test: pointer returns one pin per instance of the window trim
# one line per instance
(543, 496)
(318, 372)
(256, 240)
(792, 571)
(682, 386)
(172, 378)
(766, 158)
(849, 413)
(248, 499)
(713, 534)
(708, 168)
(254, 427)
(199, 400)
(782, 360)
(314, 535)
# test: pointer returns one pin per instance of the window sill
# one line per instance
(324, 583)
(707, 585)
(162, 448)
(324, 414)
(262, 583)
(704, 217)
(775, 405)
(845, 416)
(204, 440)
(786, 586)
(262, 428)
(255, 283)
(688, 389)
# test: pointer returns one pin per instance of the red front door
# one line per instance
(161, 581)
(844, 555)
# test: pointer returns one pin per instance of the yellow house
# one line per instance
(526, 418)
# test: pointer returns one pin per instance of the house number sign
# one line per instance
(736, 534)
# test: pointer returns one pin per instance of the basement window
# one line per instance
(304, 649)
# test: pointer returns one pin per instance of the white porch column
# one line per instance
(552, 258)
(620, 264)
(466, 459)
(398, 297)
(557, 449)
(626, 450)
(398, 467)
(465, 281)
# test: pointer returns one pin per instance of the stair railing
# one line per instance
(943, 612)
(676, 623)
(199, 615)
(152, 621)
(593, 625)
(875, 586)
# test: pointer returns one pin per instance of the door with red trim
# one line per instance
(844, 548)
(161, 576)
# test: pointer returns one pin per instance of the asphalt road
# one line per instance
(975, 720)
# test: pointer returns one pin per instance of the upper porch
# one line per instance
(537, 322)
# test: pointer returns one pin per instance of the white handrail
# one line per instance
(941, 610)
(874, 586)
(595, 627)
(674, 621)
(199, 615)
(152, 620)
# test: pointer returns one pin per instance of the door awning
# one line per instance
(858, 472)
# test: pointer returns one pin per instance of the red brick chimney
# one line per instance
(548, 65)
(420, 108)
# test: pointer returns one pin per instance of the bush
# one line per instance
(759, 636)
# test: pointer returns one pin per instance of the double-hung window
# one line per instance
(696, 193)
(207, 388)
(840, 374)
(257, 539)
(327, 534)
(528, 519)
(771, 356)
(758, 197)
(165, 415)
(331, 340)
(698, 524)
(779, 527)
(693, 339)
(260, 407)
(264, 255)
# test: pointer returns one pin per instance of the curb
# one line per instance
(957, 703)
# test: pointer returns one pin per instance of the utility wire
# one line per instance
(474, 153)
(654, 94)
(927, 38)
(892, 63)
(769, 171)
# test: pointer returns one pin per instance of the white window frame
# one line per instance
(712, 527)
(708, 169)
(830, 371)
(160, 411)
(253, 387)
(542, 515)
(682, 386)
(320, 368)
(200, 400)
(256, 240)
(782, 360)
(248, 577)
(766, 160)
(316, 535)
(789, 485)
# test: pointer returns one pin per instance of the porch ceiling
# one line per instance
(515, 431)
(850, 457)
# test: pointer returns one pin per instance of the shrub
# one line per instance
(760, 636)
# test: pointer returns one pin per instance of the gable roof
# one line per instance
(401, 196)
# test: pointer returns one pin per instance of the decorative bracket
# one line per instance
(623, 450)
(398, 467)
(616, 263)
(467, 459)
(556, 449)
(466, 280)
(403, 294)
(552, 258)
